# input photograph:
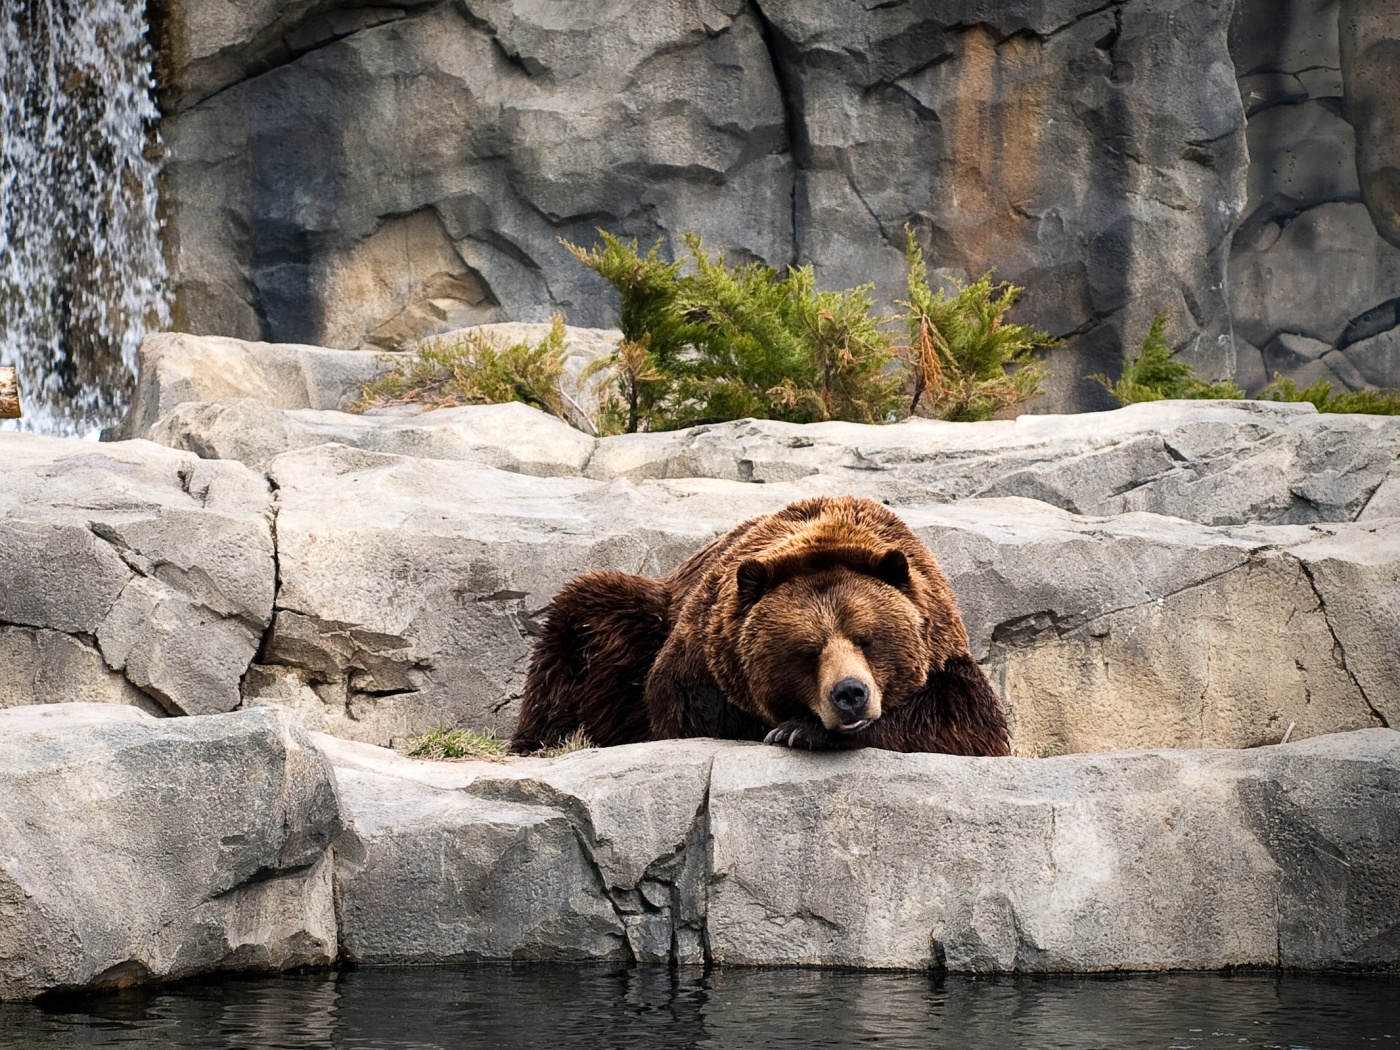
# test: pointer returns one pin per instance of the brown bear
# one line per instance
(825, 625)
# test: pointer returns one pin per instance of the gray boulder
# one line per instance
(138, 849)
(134, 567)
(1128, 861)
(511, 437)
(743, 854)
(425, 872)
(175, 368)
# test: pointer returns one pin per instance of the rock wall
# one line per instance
(358, 176)
(355, 176)
(702, 851)
(1315, 265)
(136, 849)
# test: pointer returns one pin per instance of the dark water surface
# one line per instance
(504, 1006)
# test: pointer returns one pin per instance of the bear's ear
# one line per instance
(893, 568)
(751, 579)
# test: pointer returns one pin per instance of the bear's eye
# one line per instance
(864, 643)
(807, 652)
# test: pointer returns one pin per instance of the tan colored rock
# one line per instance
(175, 368)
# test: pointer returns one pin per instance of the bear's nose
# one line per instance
(850, 695)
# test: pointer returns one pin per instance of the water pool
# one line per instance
(535, 1005)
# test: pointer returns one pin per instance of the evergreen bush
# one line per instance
(1154, 375)
(1371, 401)
(960, 347)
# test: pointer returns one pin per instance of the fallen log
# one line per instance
(9, 394)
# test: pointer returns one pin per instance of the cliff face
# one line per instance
(354, 176)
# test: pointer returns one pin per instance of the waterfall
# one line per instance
(82, 277)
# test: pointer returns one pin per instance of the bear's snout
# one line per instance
(851, 698)
(848, 695)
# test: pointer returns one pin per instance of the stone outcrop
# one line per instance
(1137, 630)
(1171, 574)
(136, 849)
(136, 574)
(358, 176)
(176, 368)
(742, 854)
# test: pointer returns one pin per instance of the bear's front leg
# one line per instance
(808, 734)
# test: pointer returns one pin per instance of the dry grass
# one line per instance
(575, 741)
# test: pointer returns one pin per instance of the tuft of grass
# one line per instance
(478, 368)
(1154, 375)
(575, 741)
(442, 743)
(965, 361)
(1373, 402)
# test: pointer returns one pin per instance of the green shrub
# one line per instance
(960, 347)
(443, 743)
(1154, 375)
(1373, 402)
(655, 335)
(477, 368)
(728, 342)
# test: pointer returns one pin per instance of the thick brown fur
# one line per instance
(753, 635)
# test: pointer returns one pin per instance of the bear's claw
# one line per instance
(796, 733)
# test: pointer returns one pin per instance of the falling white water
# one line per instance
(82, 277)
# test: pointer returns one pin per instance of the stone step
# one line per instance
(740, 854)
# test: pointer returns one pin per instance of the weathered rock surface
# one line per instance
(356, 176)
(1216, 463)
(411, 588)
(512, 437)
(597, 855)
(135, 849)
(1149, 860)
(175, 368)
(136, 574)
(1146, 860)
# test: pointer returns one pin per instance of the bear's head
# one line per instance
(833, 632)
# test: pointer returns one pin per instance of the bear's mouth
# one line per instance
(854, 727)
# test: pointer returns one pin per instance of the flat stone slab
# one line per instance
(134, 848)
(135, 574)
(411, 590)
(741, 854)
